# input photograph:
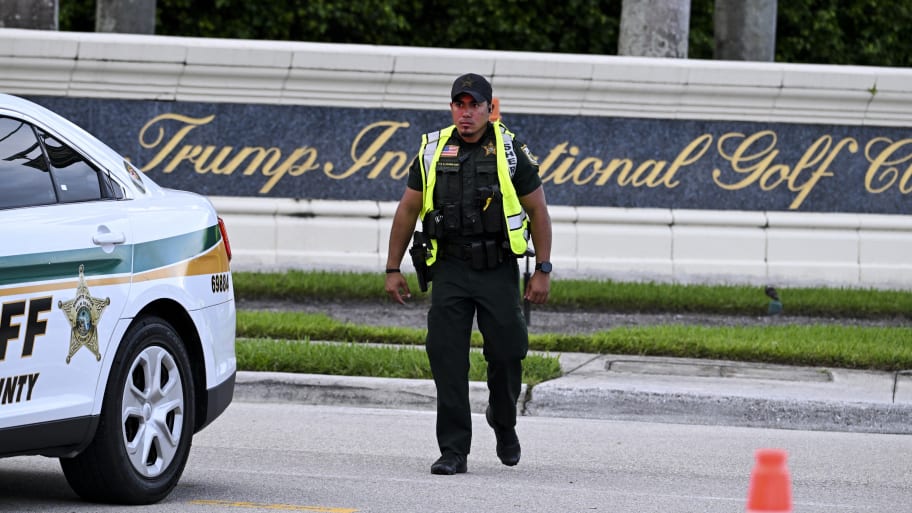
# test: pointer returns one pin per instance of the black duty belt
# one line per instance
(483, 254)
(460, 250)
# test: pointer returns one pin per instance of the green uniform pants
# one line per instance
(458, 293)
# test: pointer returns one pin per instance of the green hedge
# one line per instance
(864, 32)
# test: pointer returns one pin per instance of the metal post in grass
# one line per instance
(527, 306)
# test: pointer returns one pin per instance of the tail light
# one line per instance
(225, 237)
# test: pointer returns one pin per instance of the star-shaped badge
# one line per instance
(489, 148)
(83, 312)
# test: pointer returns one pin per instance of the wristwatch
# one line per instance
(544, 267)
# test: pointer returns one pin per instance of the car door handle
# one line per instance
(105, 238)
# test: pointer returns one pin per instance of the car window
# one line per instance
(24, 176)
(77, 180)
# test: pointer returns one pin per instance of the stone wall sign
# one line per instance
(339, 153)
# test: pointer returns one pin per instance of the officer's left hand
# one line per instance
(538, 288)
(397, 288)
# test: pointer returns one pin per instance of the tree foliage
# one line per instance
(863, 32)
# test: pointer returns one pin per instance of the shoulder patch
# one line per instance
(533, 158)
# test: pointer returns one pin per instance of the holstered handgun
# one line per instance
(419, 253)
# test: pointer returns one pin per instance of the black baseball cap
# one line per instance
(474, 85)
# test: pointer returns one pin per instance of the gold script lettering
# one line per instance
(649, 173)
(190, 124)
(557, 176)
(689, 155)
(878, 180)
(740, 156)
(259, 155)
(625, 165)
(580, 174)
(397, 159)
(291, 167)
(211, 159)
(753, 158)
(827, 152)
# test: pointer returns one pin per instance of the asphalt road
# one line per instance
(292, 457)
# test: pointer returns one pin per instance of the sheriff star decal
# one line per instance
(83, 312)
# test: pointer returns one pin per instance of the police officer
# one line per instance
(476, 191)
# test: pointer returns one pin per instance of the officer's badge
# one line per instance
(489, 148)
(83, 312)
(533, 158)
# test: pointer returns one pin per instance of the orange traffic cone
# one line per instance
(770, 486)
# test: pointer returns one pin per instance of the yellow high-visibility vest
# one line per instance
(517, 221)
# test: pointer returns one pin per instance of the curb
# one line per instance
(358, 391)
(708, 409)
(664, 399)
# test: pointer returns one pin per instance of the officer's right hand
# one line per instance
(397, 288)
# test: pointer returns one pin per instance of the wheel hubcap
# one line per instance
(153, 410)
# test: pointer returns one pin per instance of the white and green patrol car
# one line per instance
(117, 312)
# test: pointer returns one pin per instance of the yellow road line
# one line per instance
(280, 507)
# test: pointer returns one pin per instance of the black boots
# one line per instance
(508, 449)
(449, 464)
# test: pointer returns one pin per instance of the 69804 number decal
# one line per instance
(220, 282)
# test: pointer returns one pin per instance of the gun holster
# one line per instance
(419, 254)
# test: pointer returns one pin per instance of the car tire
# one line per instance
(144, 432)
